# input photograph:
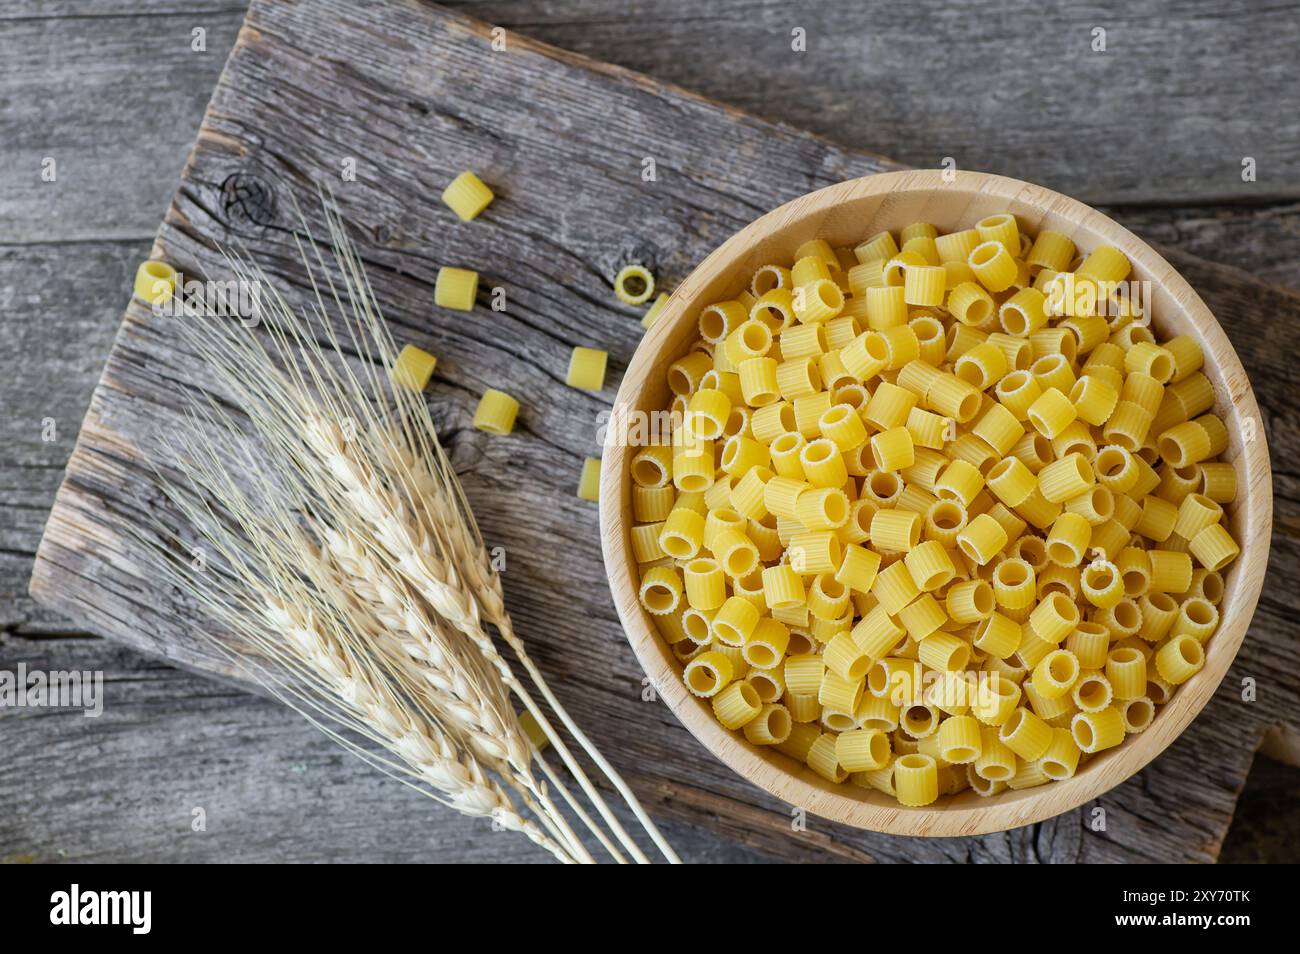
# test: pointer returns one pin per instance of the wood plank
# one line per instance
(558, 299)
(1165, 114)
(129, 781)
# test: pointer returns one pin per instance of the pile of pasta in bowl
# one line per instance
(937, 511)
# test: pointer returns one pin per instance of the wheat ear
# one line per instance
(295, 643)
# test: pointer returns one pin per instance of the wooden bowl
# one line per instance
(845, 214)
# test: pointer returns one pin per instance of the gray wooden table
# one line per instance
(112, 91)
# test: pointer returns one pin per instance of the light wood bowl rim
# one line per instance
(969, 815)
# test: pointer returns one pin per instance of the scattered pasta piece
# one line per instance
(634, 284)
(456, 288)
(496, 412)
(589, 482)
(414, 368)
(155, 282)
(587, 369)
(534, 731)
(937, 511)
(467, 196)
(653, 311)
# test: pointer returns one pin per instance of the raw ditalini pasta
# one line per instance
(413, 368)
(936, 511)
(467, 196)
(455, 288)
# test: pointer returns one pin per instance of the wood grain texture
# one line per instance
(1173, 824)
(843, 215)
(1182, 93)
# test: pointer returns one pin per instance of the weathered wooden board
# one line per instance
(564, 140)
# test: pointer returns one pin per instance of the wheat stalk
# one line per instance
(301, 643)
(354, 511)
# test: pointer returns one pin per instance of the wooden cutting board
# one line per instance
(594, 167)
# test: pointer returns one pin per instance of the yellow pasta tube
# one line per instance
(797, 377)
(952, 397)
(706, 584)
(1025, 734)
(1051, 250)
(1011, 481)
(982, 365)
(999, 428)
(1094, 399)
(858, 569)
(893, 449)
(1055, 674)
(916, 779)
(1051, 413)
(1179, 659)
(1171, 572)
(970, 601)
(496, 412)
(929, 565)
(823, 464)
(886, 307)
(842, 426)
(736, 705)
(819, 300)
(1013, 584)
(1067, 541)
(894, 587)
(1128, 425)
(1157, 519)
(959, 481)
(943, 651)
(770, 726)
(661, 590)
(982, 539)
(682, 533)
(467, 196)
(455, 288)
(924, 284)
(993, 265)
(897, 530)
(708, 673)
(876, 634)
(735, 621)
(839, 694)
(1054, 618)
(746, 496)
(1150, 359)
(758, 381)
(862, 750)
(1092, 691)
(1024, 313)
(843, 657)
(1214, 547)
(1126, 671)
(654, 311)
(735, 552)
(1195, 513)
(922, 617)
(1102, 584)
(960, 739)
(889, 406)
(814, 551)
(996, 698)
(155, 282)
(413, 368)
(1095, 731)
(706, 414)
(650, 504)
(927, 429)
(1061, 758)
